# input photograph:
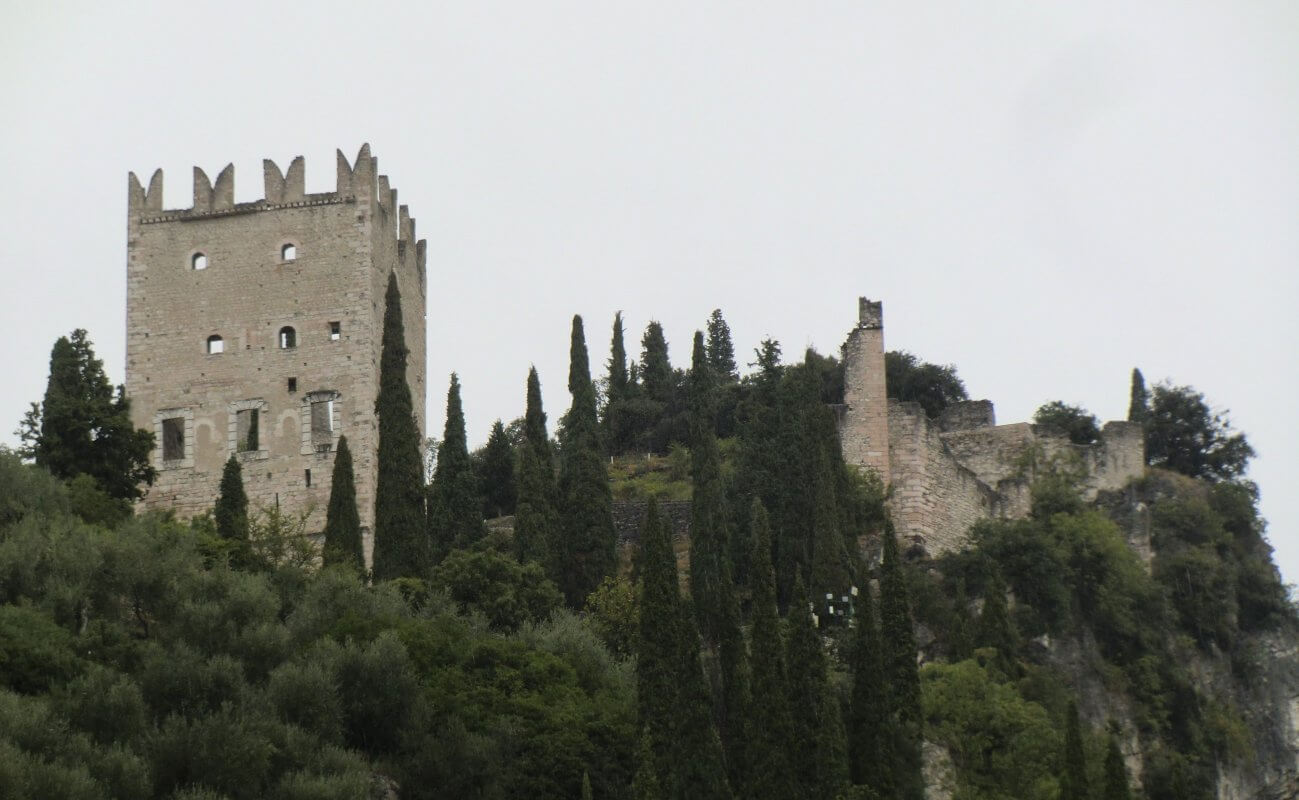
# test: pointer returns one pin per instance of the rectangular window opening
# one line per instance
(306, 476)
(293, 385)
(246, 433)
(322, 425)
(335, 331)
(173, 439)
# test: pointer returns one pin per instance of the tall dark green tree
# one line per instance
(1073, 781)
(500, 489)
(401, 546)
(1185, 435)
(673, 701)
(817, 748)
(342, 520)
(901, 675)
(995, 628)
(1139, 398)
(83, 426)
(231, 511)
(655, 368)
(770, 724)
(721, 352)
(455, 515)
(708, 535)
(617, 417)
(536, 522)
(868, 716)
(587, 546)
(829, 567)
(1116, 773)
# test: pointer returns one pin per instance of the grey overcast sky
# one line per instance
(1044, 194)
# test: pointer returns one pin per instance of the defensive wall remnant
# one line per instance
(256, 328)
(948, 473)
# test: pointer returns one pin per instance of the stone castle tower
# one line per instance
(255, 329)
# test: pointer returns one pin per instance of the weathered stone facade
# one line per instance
(948, 473)
(256, 328)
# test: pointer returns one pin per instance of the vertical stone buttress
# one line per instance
(864, 433)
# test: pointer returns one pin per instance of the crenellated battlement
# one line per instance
(356, 182)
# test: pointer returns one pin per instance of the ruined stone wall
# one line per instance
(864, 418)
(346, 243)
(934, 499)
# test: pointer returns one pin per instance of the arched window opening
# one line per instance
(215, 344)
(288, 338)
(198, 261)
(288, 252)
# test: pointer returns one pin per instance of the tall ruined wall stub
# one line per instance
(344, 245)
(864, 418)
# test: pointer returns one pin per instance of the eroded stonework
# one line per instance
(946, 474)
(256, 328)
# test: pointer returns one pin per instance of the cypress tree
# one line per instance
(617, 392)
(697, 750)
(1073, 782)
(708, 539)
(770, 724)
(736, 698)
(1139, 400)
(901, 675)
(995, 628)
(1116, 773)
(960, 641)
(829, 572)
(500, 490)
(586, 786)
(83, 427)
(536, 523)
(655, 367)
(401, 547)
(342, 520)
(721, 352)
(817, 747)
(231, 511)
(868, 717)
(586, 501)
(455, 516)
(645, 783)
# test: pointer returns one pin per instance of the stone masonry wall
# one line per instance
(864, 418)
(934, 498)
(346, 242)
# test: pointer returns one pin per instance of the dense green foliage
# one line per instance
(83, 426)
(231, 511)
(1138, 398)
(455, 509)
(401, 545)
(536, 521)
(900, 676)
(497, 474)
(933, 386)
(1072, 421)
(1185, 435)
(342, 520)
(709, 559)
(584, 553)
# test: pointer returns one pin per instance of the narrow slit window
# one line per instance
(198, 261)
(288, 252)
(306, 476)
(246, 425)
(215, 344)
(288, 338)
(173, 439)
(335, 331)
(293, 385)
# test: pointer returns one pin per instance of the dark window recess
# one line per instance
(335, 331)
(293, 385)
(246, 434)
(288, 338)
(173, 439)
(306, 476)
